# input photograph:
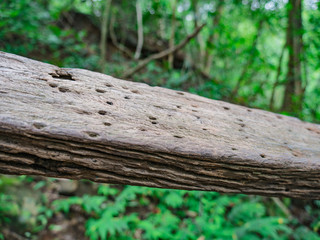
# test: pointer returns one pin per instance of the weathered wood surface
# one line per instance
(75, 124)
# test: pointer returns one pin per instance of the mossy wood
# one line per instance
(78, 124)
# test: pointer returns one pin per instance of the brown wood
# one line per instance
(78, 124)
(293, 93)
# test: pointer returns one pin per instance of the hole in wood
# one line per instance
(135, 91)
(39, 125)
(204, 129)
(102, 112)
(233, 149)
(108, 85)
(110, 103)
(152, 118)
(126, 97)
(178, 106)
(100, 90)
(226, 108)
(249, 110)
(194, 110)
(177, 136)
(315, 130)
(180, 93)
(62, 74)
(94, 160)
(262, 155)
(143, 129)
(64, 89)
(154, 122)
(92, 134)
(53, 85)
(107, 124)
(195, 106)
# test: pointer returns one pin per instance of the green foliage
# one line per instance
(148, 213)
(108, 226)
(178, 215)
(65, 204)
(174, 199)
(20, 210)
(302, 233)
(268, 227)
(7, 207)
(246, 212)
(43, 30)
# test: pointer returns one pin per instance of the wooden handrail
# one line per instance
(78, 124)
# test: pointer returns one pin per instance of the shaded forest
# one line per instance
(258, 53)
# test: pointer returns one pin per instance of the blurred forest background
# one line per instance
(258, 53)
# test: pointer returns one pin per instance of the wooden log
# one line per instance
(78, 124)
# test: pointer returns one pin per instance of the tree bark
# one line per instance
(140, 30)
(78, 124)
(293, 91)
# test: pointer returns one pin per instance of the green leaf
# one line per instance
(174, 199)
(92, 203)
(64, 204)
(107, 190)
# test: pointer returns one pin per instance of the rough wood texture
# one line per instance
(73, 123)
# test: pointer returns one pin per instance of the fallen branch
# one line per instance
(162, 54)
(78, 124)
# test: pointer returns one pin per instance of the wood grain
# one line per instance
(78, 124)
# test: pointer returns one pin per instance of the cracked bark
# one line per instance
(78, 124)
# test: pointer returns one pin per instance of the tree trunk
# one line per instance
(140, 30)
(293, 92)
(208, 57)
(277, 80)
(198, 56)
(173, 31)
(78, 124)
(104, 31)
(113, 37)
